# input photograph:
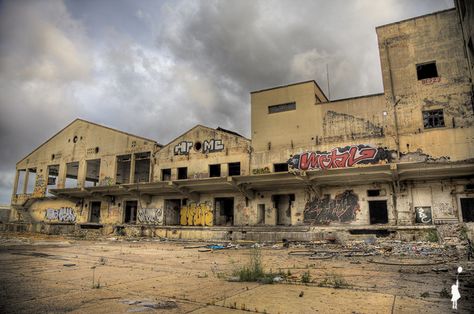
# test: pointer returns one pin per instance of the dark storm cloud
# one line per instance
(157, 68)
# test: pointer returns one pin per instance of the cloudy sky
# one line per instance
(157, 68)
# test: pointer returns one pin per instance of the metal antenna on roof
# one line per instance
(327, 74)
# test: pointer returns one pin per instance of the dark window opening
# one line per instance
(72, 170)
(142, 167)
(282, 167)
(426, 70)
(123, 169)
(378, 212)
(433, 119)
(261, 214)
(95, 212)
(234, 168)
(224, 213)
(165, 174)
(467, 209)
(130, 212)
(197, 146)
(172, 211)
(53, 172)
(214, 171)
(373, 192)
(92, 172)
(182, 173)
(282, 107)
(469, 186)
(282, 205)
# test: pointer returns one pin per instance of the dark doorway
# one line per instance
(467, 208)
(378, 212)
(172, 209)
(130, 212)
(95, 212)
(282, 204)
(224, 211)
(261, 214)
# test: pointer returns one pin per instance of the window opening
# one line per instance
(142, 167)
(433, 119)
(182, 173)
(21, 181)
(281, 167)
(426, 70)
(282, 107)
(467, 209)
(72, 170)
(234, 168)
(214, 171)
(53, 172)
(123, 169)
(31, 181)
(92, 172)
(373, 192)
(165, 174)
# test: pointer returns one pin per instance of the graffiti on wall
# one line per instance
(63, 214)
(344, 157)
(444, 209)
(431, 80)
(199, 214)
(107, 181)
(150, 216)
(343, 208)
(40, 186)
(208, 146)
(423, 215)
(261, 170)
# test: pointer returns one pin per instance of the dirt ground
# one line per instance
(50, 274)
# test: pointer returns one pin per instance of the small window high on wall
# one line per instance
(426, 70)
(433, 119)
(282, 107)
(282, 167)
(72, 170)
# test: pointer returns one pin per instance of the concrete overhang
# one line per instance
(434, 171)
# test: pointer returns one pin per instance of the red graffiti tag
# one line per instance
(349, 157)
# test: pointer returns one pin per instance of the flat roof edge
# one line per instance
(416, 17)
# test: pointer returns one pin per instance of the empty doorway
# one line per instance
(224, 211)
(467, 209)
(172, 210)
(378, 212)
(130, 212)
(95, 212)
(282, 205)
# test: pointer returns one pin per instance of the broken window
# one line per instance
(234, 168)
(281, 167)
(433, 119)
(224, 215)
(214, 171)
(53, 172)
(95, 212)
(142, 167)
(426, 70)
(378, 212)
(123, 169)
(130, 212)
(165, 174)
(282, 204)
(92, 172)
(182, 173)
(467, 209)
(21, 181)
(30, 187)
(72, 170)
(172, 212)
(282, 107)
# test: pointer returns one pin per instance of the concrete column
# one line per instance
(61, 176)
(15, 185)
(224, 170)
(81, 173)
(25, 182)
(132, 169)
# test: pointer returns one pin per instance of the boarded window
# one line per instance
(426, 70)
(182, 173)
(234, 169)
(433, 119)
(283, 167)
(282, 107)
(214, 171)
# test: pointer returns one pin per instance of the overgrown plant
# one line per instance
(254, 270)
(335, 281)
(306, 277)
(432, 236)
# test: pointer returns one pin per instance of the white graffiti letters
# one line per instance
(150, 215)
(183, 148)
(63, 214)
(212, 146)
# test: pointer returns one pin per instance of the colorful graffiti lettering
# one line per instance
(63, 214)
(348, 156)
(40, 186)
(183, 148)
(261, 170)
(212, 146)
(150, 216)
(196, 215)
(343, 208)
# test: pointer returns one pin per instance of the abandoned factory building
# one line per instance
(400, 159)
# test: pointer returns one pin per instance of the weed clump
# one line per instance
(335, 281)
(254, 271)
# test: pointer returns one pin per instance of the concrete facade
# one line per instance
(396, 159)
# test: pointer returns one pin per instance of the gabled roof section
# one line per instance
(92, 123)
(219, 130)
